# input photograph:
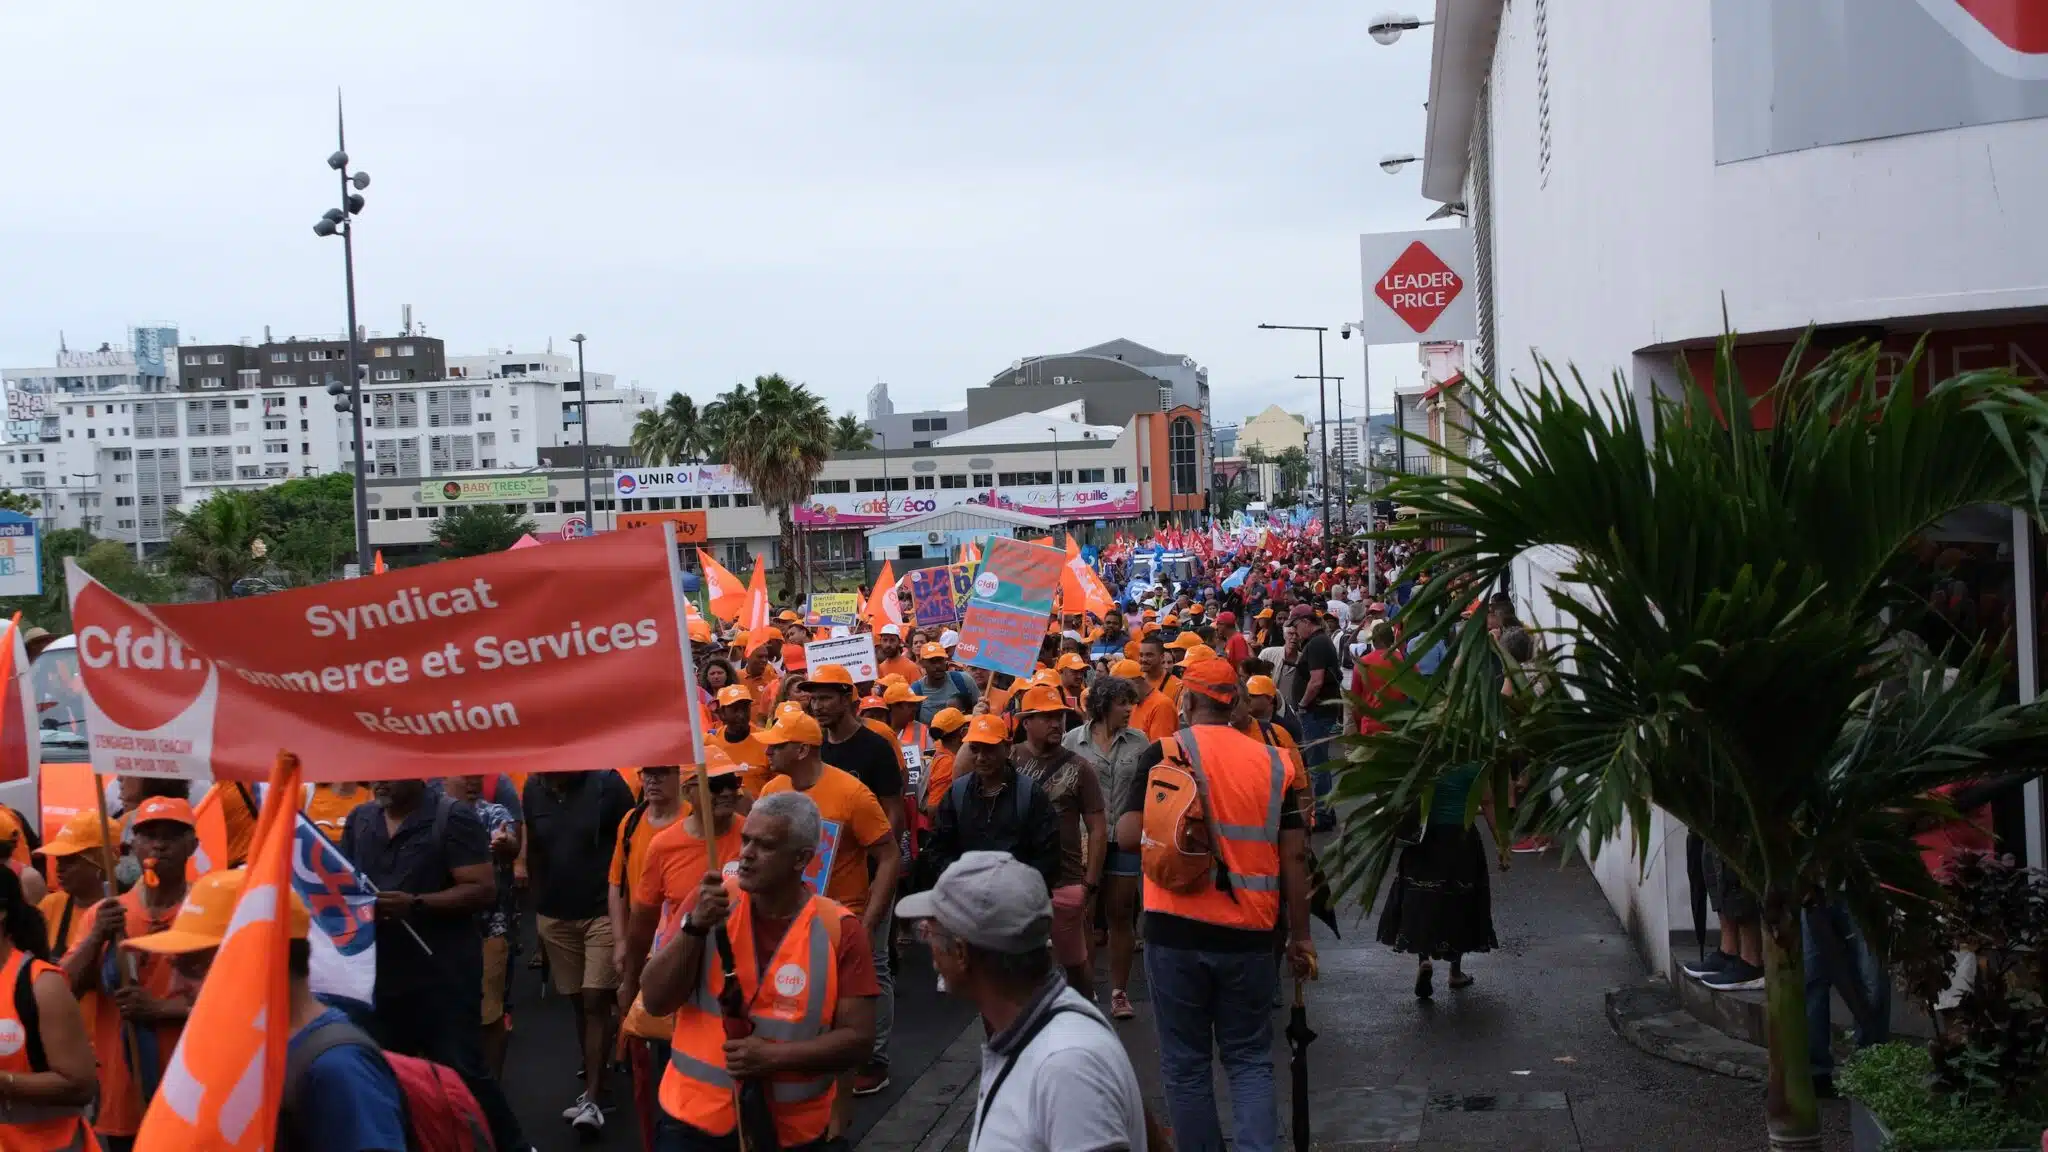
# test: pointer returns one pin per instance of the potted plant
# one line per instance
(1983, 1081)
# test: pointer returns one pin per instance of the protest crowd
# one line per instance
(1139, 775)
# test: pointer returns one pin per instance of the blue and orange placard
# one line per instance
(1010, 605)
(934, 599)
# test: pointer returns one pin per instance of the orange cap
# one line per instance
(170, 808)
(1213, 678)
(1151, 614)
(1040, 698)
(893, 678)
(1194, 609)
(1185, 640)
(1264, 614)
(934, 651)
(81, 833)
(209, 910)
(788, 616)
(1127, 668)
(830, 676)
(717, 762)
(1171, 621)
(867, 702)
(793, 727)
(735, 694)
(1070, 662)
(1045, 678)
(988, 730)
(1261, 686)
(948, 721)
(900, 693)
(1201, 652)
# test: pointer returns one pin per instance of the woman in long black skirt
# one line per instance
(1441, 905)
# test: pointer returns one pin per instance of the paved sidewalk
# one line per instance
(1522, 1060)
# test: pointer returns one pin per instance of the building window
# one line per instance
(1066, 475)
(920, 425)
(387, 374)
(215, 358)
(192, 359)
(1089, 475)
(685, 503)
(955, 480)
(405, 349)
(833, 486)
(910, 552)
(742, 500)
(925, 482)
(1180, 449)
(721, 501)
(938, 423)
(381, 352)
(920, 443)
(984, 480)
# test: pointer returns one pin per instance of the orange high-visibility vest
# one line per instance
(1245, 782)
(797, 1001)
(33, 1127)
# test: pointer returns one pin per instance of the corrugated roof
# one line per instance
(965, 517)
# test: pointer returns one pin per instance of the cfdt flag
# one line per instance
(343, 904)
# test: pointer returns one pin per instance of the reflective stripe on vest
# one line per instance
(1266, 833)
(696, 1088)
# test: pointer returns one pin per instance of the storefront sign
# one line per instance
(1418, 286)
(681, 480)
(856, 654)
(495, 663)
(485, 489)
(21, 556)
(1066, 501)
(1012, 601)
(691, 527)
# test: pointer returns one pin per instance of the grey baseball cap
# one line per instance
(992, 900)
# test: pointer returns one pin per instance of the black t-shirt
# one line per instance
(410, 860)
(1320, 652)
(1171, 931)
(870, 758)
(569, 841)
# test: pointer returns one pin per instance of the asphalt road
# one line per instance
(542, 1063)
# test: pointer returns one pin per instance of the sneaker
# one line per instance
(570, 1113)
(1712, 963)
(589, 1120)
(872, 1079)
(1737, 976)
(1530, 844)
(1120, 1005)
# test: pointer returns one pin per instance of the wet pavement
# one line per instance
(1524, 1059)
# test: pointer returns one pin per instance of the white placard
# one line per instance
(856, 654)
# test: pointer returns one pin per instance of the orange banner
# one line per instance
(535, 660)
(691, 527)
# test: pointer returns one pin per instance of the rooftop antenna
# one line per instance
(60, 341)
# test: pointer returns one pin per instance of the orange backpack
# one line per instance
(1178, 850)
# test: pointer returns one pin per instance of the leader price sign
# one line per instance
(1418, 286)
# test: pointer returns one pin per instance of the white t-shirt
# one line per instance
(1072, 1090)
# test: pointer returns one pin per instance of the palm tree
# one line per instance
(215, 540)
(777, 436)
(1723, 638)
(718, 422)
(479, 529)
(850, 435)
(1293, 468)
(671, 434)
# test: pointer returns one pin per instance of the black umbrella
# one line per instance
(1299, 1036)
(1320, 904)
(1696, 880)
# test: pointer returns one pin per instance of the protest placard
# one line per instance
(1012, 600)
(498, 663)
(856, 654)
(833, 609)
(933, 595)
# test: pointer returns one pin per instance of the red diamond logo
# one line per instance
(2011, 36)
(1418, 287)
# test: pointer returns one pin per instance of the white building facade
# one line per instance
(1632, 170)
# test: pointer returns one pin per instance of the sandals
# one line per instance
(1425, 977)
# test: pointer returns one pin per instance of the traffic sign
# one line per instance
(1418, 286)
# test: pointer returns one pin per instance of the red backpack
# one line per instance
(440, 1113)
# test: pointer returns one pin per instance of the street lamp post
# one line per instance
(1322, 418)
(1343, 464)
(341, 221)
(1059, 507)
(583, 424)
(1372, 547)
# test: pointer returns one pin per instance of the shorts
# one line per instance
(497, 961)
(1069, 925)
(1725, 891)
(1122, 863)
(579, 954)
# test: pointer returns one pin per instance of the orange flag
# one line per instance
(20, 748)
(212, 826)
(1081, 589)
(883, 607)
(971, 555)
(722, 590)
(377, 567)
(221, 1089)
(755, 614)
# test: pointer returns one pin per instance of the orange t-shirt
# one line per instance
(1168, 685)
(1156, 716)
(628, 854)
(1281, 740)
(852, 822)
(241, 823)
(902, 666)
(747, 750)
(764, 690)
(328, 809)
(938, 779)
(670, 871)
(120, 1108)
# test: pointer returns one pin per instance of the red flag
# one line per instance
(221, 1089)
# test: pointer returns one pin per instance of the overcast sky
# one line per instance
(911, 192)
